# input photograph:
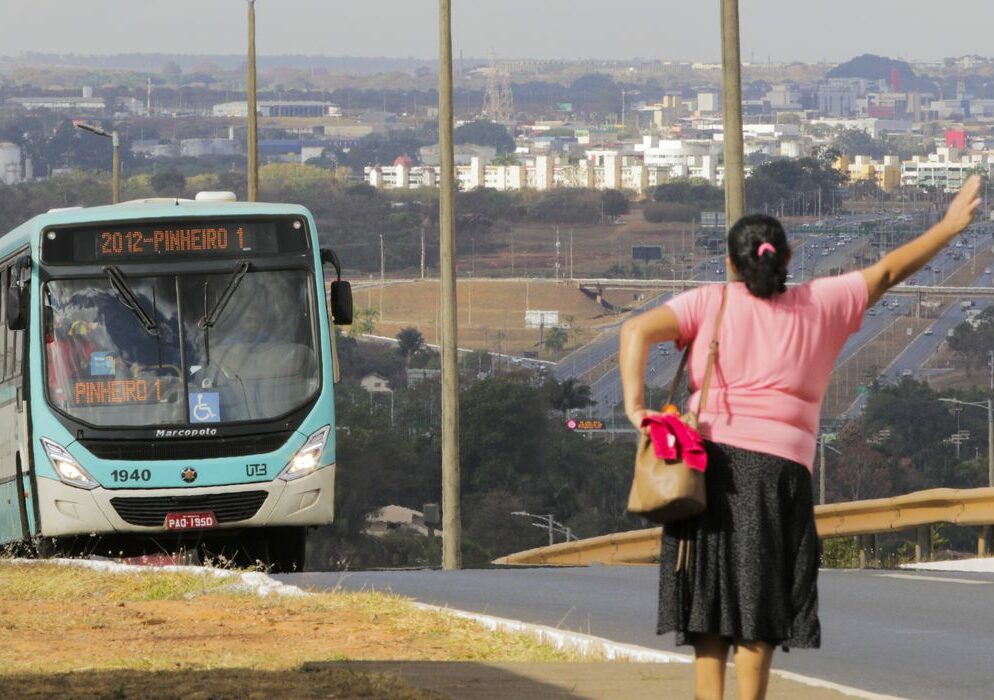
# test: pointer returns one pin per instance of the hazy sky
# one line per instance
(806, 30)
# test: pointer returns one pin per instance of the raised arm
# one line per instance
(901, 263)
(658, 325)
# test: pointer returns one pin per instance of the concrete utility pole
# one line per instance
(451, 517)
(732, 101)
(253, 121)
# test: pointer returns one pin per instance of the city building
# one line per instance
(278, 108)
(11, 167)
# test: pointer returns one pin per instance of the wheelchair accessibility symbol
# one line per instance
(205, 407)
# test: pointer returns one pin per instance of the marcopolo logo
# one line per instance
(186, 432)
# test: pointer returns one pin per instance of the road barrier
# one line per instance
(955, 506)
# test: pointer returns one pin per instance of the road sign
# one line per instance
(861, 389)
(585, 424)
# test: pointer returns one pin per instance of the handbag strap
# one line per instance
(712, 356)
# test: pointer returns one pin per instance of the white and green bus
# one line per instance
(168, 378)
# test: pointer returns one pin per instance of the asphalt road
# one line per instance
(915, 635)
(816, 251)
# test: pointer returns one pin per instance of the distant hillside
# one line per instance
(870, 67)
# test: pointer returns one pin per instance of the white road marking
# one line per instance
(940, 579)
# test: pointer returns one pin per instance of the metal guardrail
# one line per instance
(955, 506)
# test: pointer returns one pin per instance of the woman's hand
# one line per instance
(637, 416)
(959, 215)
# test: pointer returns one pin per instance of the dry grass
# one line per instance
(497, 307)
(113, 634)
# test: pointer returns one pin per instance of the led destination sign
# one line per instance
(177, 239)
(110, 392)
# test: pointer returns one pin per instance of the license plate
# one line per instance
(190, 521)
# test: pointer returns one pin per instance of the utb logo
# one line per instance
(189, 475)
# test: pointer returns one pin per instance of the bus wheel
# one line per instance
(285, 550)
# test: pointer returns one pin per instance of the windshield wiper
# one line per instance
(128, 298)
(210, 317)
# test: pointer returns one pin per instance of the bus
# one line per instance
(168, 372)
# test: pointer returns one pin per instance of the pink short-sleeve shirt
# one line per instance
(774, 360)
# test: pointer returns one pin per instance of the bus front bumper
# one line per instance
(67, 510)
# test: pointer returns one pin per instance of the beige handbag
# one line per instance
(665, 491)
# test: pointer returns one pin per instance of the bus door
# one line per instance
(17, 508)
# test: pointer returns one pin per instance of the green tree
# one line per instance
(556, 339)
(693, 191)
(614, 202)
(856, 142)
(484, 133)
(363, 322)
(409, 341)
(567, 395)
(505, 159)
(168, 183)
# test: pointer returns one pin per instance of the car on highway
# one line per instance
(928, 331)
(907, 373)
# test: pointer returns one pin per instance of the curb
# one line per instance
(589, 644)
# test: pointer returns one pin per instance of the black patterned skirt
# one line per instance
(751, 558)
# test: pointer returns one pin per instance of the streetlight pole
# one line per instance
(451, 517)
(253, 121)
(115, 139)
(821, 471)
(984, 542)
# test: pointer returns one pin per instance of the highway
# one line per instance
(816, 253)
(910, 634)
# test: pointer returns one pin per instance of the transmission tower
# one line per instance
(498, 102)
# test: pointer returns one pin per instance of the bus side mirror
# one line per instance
(15, 309)
(341, 291)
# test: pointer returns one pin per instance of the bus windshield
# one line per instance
(187, 349)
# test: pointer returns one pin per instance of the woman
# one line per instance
(752, 578)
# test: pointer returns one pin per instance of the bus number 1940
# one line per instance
(123, 475)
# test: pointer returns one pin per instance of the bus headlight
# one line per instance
(308, 457)
(69, 470)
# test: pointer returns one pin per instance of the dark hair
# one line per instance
(764, 275)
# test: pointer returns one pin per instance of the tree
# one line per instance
(363, 322)
(168, 183)
(484, 133)
(790, 178)
(856, 142)
(694, 191)
(555, 339)
(505, 159)
(409, 341)
(861, 472)
(566, 395)
(614, 202)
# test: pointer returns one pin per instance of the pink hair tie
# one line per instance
(765, 247)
